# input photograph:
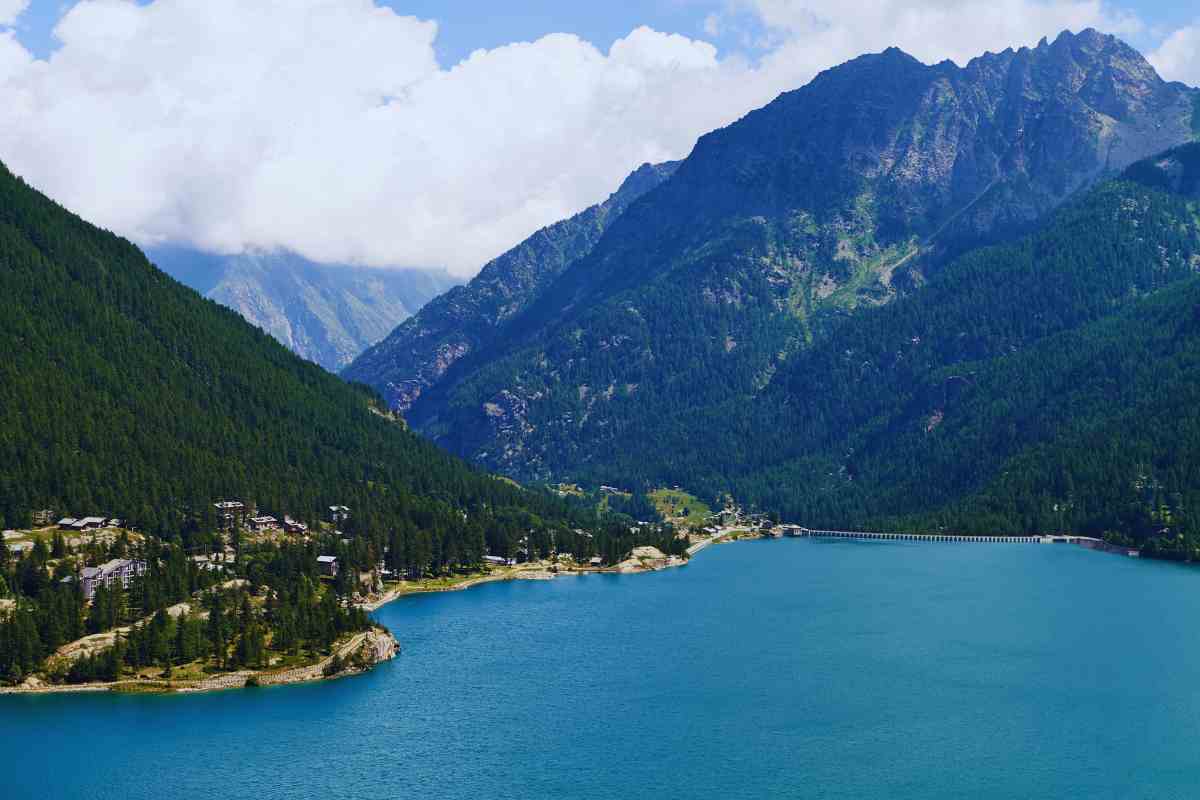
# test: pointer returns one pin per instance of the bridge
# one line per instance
(798, 530)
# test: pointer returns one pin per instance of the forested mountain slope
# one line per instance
(327, 313)
(1046, 384)
(417, 354)
(844, 195)
(124, 393)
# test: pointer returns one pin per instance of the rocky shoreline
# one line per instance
(359, 654)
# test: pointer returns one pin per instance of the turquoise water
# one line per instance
(792, 668)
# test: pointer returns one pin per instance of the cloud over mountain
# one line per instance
(327, 127)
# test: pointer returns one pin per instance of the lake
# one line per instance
(777, 668)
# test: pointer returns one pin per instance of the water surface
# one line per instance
(792, 668)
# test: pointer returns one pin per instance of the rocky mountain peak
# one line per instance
(843, 194)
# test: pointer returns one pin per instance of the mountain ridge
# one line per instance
(326, 313)
(842, 195)
(420, 351)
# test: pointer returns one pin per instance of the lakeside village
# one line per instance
(91, 603)
(88, 603)
(252, 598)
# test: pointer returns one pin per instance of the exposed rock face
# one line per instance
(325, 313)
(419, 352)
(842, 194)
(648, 559)
(378, 646)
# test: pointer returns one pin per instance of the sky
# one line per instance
(438, 133)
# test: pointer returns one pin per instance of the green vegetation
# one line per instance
(680, 508)
(282, 610)
(1036, 386)
(125, 394)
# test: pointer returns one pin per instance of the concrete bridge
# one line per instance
(797, 530)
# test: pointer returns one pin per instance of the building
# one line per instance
(89, 523)
(264, 522)
(42, 517)
(595, 561)
(338, 514)
(66, 523)
(293, 526)
(230, 513)
(499, 561)
(119, 570)
(328, 565)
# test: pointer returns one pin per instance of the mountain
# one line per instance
(327, 313)
(842, 196)
(1047, 384)
(1040, 385)
(126, 394)
(420, 351)
(780, 313)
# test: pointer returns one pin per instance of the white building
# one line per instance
(121, 570)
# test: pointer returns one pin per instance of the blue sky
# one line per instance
(467, 25)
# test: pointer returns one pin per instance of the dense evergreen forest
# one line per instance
(125, 394)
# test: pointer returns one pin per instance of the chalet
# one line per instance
(114, 523)
(89, 523)
(66, 523)
(262, 523)
(328, 565)
(42, 517)
(338, 514)
(119, 570)
(499, 561)
(595, 561)
(293, 526)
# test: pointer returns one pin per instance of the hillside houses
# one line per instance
(121, 570)
(86, 523)
(230, 513)
(263, 522)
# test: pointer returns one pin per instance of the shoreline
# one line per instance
(538, 571)
(361, 652)
(384, 642)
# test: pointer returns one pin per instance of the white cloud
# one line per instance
(11, 9)
(1178, 58)
(327, 126)
(811, 35)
